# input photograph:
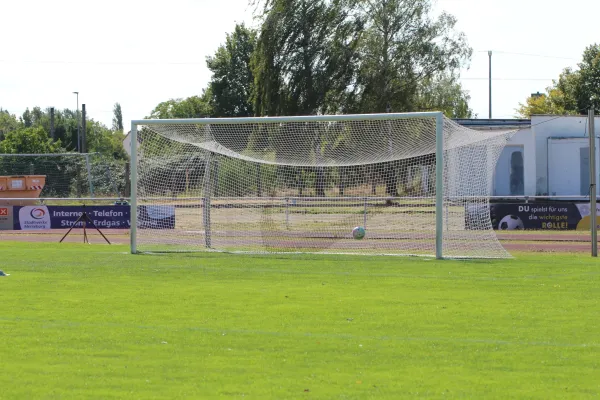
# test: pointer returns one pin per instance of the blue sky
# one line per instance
(140, 53)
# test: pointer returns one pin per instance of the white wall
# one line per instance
(568, 166)
(522, 140)
(545, 127)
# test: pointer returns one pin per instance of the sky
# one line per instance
(142, 52)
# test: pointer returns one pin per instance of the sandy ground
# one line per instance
(527, 242)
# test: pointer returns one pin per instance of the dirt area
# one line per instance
(525, 242)
(116, 236)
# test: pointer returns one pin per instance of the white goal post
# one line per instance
(418, 183)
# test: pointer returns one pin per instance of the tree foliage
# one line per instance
(304, 56)
(574, 92)
(8, 123)
(403, 49)
(31, 134)
(443, 93)
(191, 107)
(117, 122)
(29, 140)
(232, 81)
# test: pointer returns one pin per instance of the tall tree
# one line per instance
(302, 65)
(552, 102)
(191, 107)
(304, 55)
(26, 119)
(443, 93)
(8, 123)
(574, 92)
(232, 81)
(402, 48)
(31, 140)
(587, 88)
(117, 122)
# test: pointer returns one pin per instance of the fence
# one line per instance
(71, 175)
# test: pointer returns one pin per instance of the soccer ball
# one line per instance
(510, 223)
(358, 232)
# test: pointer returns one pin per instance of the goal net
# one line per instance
(417, 183)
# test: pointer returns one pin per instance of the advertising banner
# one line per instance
(6, 218)
(541, 216)
(156, 217)
(104, 217)
(64, 217)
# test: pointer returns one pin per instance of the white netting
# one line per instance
(302, 186)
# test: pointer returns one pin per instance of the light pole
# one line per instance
(77, 118)
(490, 83)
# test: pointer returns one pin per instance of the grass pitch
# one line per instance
(80, 321)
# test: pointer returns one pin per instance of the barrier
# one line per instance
(42, 217)
(17, 190)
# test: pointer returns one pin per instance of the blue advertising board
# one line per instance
(104, 217)
(64, 217)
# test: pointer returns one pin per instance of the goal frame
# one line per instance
(439, 153)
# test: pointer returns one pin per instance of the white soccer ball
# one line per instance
(511, 223)
(358, 232)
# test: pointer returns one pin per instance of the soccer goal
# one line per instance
(417, 183)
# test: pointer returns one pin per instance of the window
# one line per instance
(517, 184)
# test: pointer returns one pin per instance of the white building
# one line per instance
(548, 156)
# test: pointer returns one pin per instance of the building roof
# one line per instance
(494, 123)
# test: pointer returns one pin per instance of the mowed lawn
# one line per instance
(91, 321)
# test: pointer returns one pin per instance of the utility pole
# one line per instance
(77, 118)
(593, 221)
(83, 130)
(490, 82)
(52, 123)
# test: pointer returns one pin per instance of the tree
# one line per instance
(191, 107)
(32, 140)
(102, 140)
(444, 93)
(117, 122)
(303, 65)
(552, 103)
(304, 56)
(587, 86)
(232, 81)
(403, 48)
(26, 119)
(574, 92)
(8, 123)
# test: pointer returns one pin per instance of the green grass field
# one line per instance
(80, 321)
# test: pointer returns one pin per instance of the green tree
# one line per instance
(232, 82)
(402, 49)
(117, 122)
(587, 86)
(550, 103)
(304, 57)
(100, 139)
(303, 64)
(191, 107)
(8, 123)
(31, 140)
(26, 119)
(444, 93)
(574, 92)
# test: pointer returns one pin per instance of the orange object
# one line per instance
(21, 187)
